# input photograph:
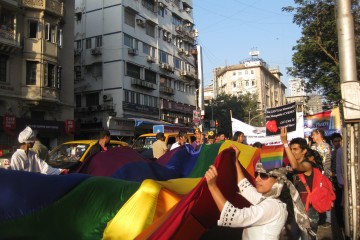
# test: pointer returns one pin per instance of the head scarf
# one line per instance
(26, 136)
(301, 217)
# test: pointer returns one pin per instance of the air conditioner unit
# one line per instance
(187, 9)
(96, 51)
(188, 24)
(183, 73)
(107, 98)
(150, 59)
(169, 39)
(163, 65)
(187, 53)
(179, 29)
(181, 51)
(77, 52)
(132, 51)
(165, 33)
(140, 22)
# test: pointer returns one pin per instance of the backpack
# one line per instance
(322, 195)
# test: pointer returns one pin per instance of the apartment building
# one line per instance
(296, 87)
(134, 61)
(36, 69)
(251, 76)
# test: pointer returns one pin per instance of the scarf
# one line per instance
(301, 217)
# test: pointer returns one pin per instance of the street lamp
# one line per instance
(250, 119)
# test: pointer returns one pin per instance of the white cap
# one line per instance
(27, 136)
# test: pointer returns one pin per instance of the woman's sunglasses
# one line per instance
(263, 176)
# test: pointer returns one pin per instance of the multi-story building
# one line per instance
(251, 76)
(36, 69)
(314, 104)
(296, 87)
(134, 60)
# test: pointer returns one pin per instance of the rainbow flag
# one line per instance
(81, 206)
(272, 156)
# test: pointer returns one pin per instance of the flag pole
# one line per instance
(231, 122)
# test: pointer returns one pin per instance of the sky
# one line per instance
(230, 29)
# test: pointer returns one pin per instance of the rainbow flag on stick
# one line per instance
(272, 156)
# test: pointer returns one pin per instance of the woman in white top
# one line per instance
(267, 215)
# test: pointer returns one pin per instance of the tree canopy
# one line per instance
(241, 107)
(316, 57)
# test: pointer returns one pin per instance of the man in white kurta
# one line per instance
(25, 159)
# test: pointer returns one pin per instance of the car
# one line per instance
(143, 144)
(70, 154)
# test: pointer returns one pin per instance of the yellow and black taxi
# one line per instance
(71, 153)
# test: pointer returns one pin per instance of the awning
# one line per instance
(145, 121)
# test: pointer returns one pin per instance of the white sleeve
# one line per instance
(263, 213)
(15, 163)
(45, 168)
(248, 191)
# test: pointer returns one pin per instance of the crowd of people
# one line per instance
(280, 198)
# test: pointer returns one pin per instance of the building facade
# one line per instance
(251, 76)
(134, 60)
(296, 87)
(36, 69)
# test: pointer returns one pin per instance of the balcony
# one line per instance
(55, 7)
(167, 90)
(9, 41)
(143, 83)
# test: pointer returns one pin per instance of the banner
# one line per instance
(283, 116)
(329, 121)
(258, 134)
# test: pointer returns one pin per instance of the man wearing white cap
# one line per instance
(25, 159)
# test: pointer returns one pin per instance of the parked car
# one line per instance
(70, 154)
(143, 144)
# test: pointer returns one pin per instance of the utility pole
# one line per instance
(350, 91)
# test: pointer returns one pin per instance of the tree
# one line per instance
(316, 56)
(240, 107)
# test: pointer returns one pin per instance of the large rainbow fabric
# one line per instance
(272, 156)
(81, 206)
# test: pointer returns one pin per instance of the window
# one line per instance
(88, 43)
(234, 73)
(129, 17)
(132, 70)
(148, 50)
(252, 71)
(150, 76)
(78, 100)
(78, 44)
(130, 41)
(96, 70)
(33, 29)
(31, 67)
(163, 56)
(148, 4)
(253, 82)
(162, 12)
(3, 67)
(77, 72)
(177, 63)
(176, 20)
(98, 41)
(92, 99)
(150, 29)
(50, 33)
(51, 76)
(60, 37)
